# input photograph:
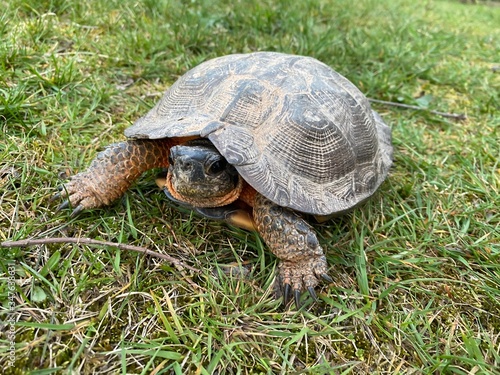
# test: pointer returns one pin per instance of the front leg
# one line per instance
(112, 172)
(302, 261)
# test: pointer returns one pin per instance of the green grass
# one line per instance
(417, 270)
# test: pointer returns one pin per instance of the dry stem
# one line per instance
(92, 242)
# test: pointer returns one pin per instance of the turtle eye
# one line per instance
(170, 160)
(217, 166)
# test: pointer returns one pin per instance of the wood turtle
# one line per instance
(258, 140)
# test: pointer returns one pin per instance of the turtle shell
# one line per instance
(297, 131)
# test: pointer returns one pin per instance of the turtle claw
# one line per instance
(77, 210)
(296, 295)
(327, 278)
(287, 294)
(313, 294)
(63, 205)
(55, 197)
(66, 204)
(61, 189)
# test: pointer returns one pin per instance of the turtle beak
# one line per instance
(175, 200)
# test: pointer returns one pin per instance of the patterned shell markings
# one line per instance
(298, 132)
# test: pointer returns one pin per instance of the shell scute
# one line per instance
(238, 144)
(249, 105)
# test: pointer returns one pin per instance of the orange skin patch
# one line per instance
(248, 194)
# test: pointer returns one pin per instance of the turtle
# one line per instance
(262, 140)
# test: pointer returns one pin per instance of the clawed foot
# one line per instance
(294, 277)
(79, 195)
(111, 173)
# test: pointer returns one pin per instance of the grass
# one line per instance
(417, 270)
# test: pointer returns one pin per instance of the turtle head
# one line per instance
(200, 176)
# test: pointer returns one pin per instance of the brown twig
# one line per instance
(92, 242)
(456, 116)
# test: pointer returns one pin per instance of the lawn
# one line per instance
(416, 269)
